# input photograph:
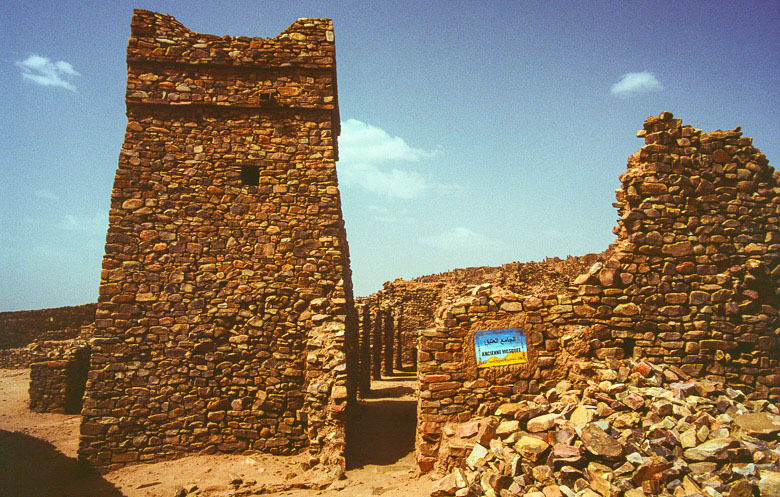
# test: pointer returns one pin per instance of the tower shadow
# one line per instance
(31, 467)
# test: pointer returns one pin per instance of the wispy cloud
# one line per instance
(392, 216)
(369, 157)
(41, 70)
(95, 223)
(459, 239)
(635, 83)
(46, 194)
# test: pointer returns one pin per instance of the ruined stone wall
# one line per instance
(225, 309)
(692, 284)
(551, 275)
(695, 280)
(417, 300)
(57, 383)
(19, 328)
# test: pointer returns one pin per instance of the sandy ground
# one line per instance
(38, 456)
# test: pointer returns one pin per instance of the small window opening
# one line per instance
(628, 347)
(250, 175)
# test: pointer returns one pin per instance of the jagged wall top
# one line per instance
(306, 43)
(170, 65)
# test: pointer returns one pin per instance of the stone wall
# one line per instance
(57, 383)
(20, 328)
(453, 389)
(692, 283)
(225, 317)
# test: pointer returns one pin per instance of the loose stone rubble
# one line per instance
(632, 429)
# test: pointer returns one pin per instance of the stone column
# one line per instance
(415, 346)
(399, 349)
(388, 365)
(376, 363)
(364, 383)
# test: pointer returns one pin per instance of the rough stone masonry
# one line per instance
(225, 304)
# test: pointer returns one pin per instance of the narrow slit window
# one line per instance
(250, 175)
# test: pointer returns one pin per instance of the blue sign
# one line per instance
(500, 347)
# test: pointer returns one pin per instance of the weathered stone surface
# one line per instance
(758, 423)
(542, 423)
(445, 486)
(714, 449)
(582, 415)
(477, 453)
(598, 442)
(769, 483)
(531, 448)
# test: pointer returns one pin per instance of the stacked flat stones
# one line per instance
(695, 281)
(57, 371)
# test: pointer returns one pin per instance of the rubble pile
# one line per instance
(634, 429)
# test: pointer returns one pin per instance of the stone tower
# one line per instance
(225, 298)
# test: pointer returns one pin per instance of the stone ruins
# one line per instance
(226, 321)
(692, 283)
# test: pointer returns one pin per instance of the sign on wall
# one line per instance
(500, 347)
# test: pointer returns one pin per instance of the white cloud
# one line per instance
(46, 194)
(460, 238)
(361, 141)
(634, 83)
(96, 223)
(368, 159)
(43, 71)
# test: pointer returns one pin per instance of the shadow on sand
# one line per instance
(31, 467)
(384, 432)
(383, 424)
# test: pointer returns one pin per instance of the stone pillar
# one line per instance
(415, 346)
(399, 349)
(388, 365)
(376, 363)
(364, 383)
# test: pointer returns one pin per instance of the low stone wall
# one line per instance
(415, 301)
(57, 384)
(19, 328)
(18, 358)
(43, 348)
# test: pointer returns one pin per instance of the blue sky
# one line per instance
(473, 133)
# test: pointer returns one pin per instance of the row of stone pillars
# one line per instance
(381, 346)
